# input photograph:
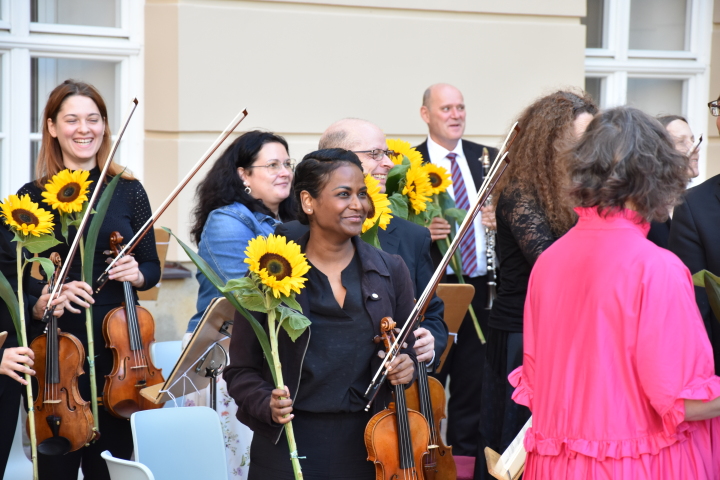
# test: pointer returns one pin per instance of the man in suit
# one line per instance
(443, 110)
(406, 239)
(694, 235)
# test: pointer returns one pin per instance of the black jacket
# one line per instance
(695, 238)
(473, 154)
(412, 243)
(386, 291)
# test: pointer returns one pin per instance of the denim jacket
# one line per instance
(223, 242)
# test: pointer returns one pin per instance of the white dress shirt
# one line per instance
(438, 156)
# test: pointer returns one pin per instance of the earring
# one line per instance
(248, 190)
(308, 210)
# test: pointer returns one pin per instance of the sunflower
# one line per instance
(401, 147)
(418, 187)
(24, 216)
(439, 177)
(67, 191)
(279, 264)
(379, 206)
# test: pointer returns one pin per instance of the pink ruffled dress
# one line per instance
(613, 344)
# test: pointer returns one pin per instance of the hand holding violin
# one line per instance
(127, 270)
(401, 369)
(40, 306)
(281, 406)
(77, 293)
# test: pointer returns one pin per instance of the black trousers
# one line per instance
(464, 364)
(9, 409)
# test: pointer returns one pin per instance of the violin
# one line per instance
(129, 332)
(427, 395)
(59, 359)
(397, 438)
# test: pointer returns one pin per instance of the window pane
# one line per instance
(34, 152)
(593, 86)
(594, 24)
(96, 13)
(656, 96)
(658, 24)
(47, 73)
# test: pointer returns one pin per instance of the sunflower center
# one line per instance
(276, 265)
(23, 216)
(69, 193)
(371, 210)
(435, 179)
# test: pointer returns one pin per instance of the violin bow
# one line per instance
(88, 211)
(498, 168)
(128, 248)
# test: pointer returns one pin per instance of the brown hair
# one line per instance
(628, 156)
(50, 159)
(546, 127)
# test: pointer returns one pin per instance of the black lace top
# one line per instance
(523, 233)
(129, 209)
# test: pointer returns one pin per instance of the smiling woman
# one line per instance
(350, 287)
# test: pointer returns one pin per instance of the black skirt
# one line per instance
(332, 443)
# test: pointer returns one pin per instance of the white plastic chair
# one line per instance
(180, 443)
(125, 469)
(165, 355)
(18, 465)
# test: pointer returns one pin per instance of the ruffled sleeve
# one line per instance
(674, 356)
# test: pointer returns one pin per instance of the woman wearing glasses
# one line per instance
(246, 193)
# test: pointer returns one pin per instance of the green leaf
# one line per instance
(396, 178)
(456, 215)
(291, 302)
(371, 235)
(40, 244)
(713, 291)
(64, 226)
(95, 224)
(294, 323)
(423, 218)
(240, 284)
(254, 301)
(46, 265)
(218, 283)
(699, 278)
(8, 295)
(398, 205)
(445, 201)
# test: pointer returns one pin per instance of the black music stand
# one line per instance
(203, 359)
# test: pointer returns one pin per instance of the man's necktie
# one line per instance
(468, 253)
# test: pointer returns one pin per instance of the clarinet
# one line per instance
(489, 243)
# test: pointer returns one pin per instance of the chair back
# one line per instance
(176, 443)
(125, 469)
(165, 355)
(457, 298)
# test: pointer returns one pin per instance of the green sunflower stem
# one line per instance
(91, 353)
(24, 340)
(277, 366)
(471, 310)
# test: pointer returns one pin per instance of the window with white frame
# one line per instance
(49, 41)
(651, 54)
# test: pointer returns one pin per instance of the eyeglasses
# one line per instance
(273, 168)
(377, 154)
(714, 108)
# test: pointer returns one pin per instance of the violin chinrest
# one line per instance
(54, 446)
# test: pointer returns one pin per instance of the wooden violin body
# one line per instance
(397, 438)
(427, 396)
(129, 332)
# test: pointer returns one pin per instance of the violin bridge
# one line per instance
(51, 401)
(138, 366)
(432, 446)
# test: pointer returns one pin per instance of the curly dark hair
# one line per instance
(546, 127)
(626, 156)
(313, 173)
(223, 186)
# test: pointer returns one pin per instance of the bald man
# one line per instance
(443, 109)
(406, 239)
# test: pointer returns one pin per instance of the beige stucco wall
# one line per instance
(297, 66)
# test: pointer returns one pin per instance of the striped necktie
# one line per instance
(468, 254)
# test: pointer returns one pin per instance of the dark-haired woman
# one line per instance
(76, 136)
(351, 287)
(618, 370)
(532, 212)
(246, 193)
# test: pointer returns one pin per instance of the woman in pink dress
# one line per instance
(617, 368)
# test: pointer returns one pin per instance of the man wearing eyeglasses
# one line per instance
(406, 239)
(443, 110)
(695, 238)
